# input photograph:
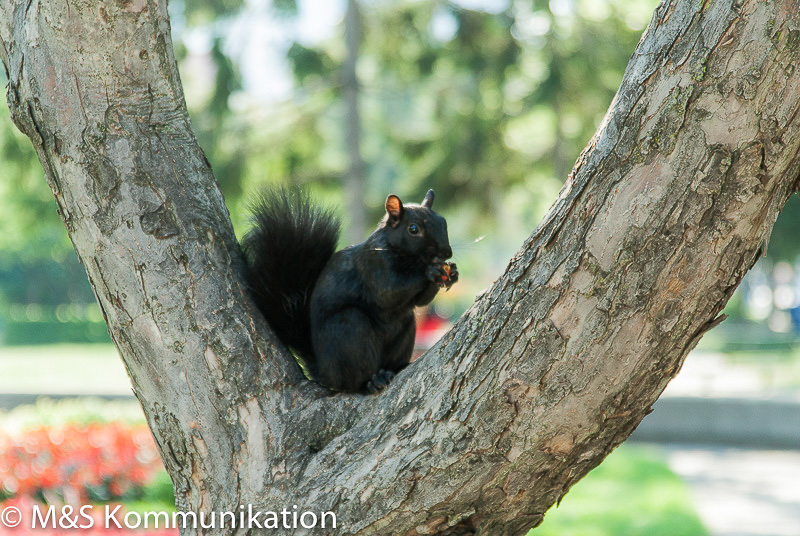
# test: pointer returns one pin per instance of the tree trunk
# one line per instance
(551, 368)
(355, 181)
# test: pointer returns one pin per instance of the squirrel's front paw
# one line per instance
(444, 274)
(436, 273)
(452, 274)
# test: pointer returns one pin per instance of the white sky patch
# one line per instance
(319, 21)
(489, 6)
(259, 39)
(443, 25)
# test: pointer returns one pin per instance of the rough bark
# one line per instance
(551, 368)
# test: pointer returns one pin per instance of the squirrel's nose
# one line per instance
(446, 252)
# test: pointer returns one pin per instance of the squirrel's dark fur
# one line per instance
(350, 314)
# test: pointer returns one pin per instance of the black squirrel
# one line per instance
(349, 315)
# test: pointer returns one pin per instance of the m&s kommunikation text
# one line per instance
(112, 516)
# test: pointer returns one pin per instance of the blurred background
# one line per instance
(489, 102)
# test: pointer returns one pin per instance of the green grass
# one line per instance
(776, 369)
(49, 412)
(62, 369)
(777, 365)
(736, 335)
(773, 358)
(632, 493)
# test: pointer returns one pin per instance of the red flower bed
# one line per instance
(77, 463)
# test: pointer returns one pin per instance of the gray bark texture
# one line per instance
(549, 370)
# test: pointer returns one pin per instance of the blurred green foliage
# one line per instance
(633, 493)
(489, 108)
(49, 331)
(157, 496)
(783, 244)
(489, 105)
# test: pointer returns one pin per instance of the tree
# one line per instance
(550, 369)
(354, 181)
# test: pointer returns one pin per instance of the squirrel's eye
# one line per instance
(413, 229)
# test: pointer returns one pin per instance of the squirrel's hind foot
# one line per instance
(380, 380)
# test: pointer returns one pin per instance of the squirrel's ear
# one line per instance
(394, 208)
(428, 201)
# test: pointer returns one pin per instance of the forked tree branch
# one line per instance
(552, 367)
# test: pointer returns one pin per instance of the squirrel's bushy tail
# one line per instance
(288, 246)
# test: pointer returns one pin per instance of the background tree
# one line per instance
(549, 370)
(537, 89)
